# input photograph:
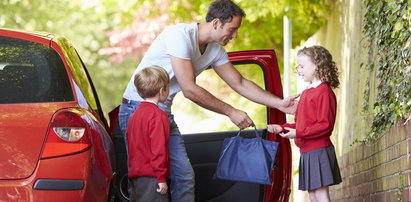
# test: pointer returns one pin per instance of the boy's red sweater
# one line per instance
(148, 136)
(314, 118)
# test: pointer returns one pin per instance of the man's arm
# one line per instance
(183, 70)
(252, 91)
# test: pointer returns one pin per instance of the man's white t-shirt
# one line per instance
(180, 40)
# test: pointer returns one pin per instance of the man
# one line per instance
(185, 50)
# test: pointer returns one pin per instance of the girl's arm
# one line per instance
(288, 125)
(290, 134)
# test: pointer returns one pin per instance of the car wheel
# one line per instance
(122, 189)
(121, 182)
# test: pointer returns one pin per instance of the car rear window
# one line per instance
(31, 72)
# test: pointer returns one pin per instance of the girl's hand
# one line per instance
(274, 128)
(291, 134)
(162, 188)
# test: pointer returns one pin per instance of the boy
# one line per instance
(148, 138)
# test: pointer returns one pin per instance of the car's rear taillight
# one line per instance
(68, 133)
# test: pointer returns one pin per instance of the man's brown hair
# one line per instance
(224, 10)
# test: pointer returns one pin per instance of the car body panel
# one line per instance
(22, 190)
(22, 130)
(38, 37)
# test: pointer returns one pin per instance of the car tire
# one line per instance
(121, 181)
(122, 194)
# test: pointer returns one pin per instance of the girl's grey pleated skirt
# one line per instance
(318, 168)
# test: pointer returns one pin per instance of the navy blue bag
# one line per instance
(246, 160)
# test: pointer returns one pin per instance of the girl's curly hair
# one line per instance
(326, 69)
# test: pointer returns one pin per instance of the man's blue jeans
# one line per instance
(181, 172)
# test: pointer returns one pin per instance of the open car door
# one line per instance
(204, 148)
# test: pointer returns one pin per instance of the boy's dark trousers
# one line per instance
(144, 189)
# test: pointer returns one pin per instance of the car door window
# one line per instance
(192, 118)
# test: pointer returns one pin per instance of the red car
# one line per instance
(54, 140)
(203, 149)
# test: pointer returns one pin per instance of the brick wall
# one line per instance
(378, 171)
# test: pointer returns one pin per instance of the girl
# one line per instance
(314, 122)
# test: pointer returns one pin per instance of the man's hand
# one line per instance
(274, 128)
(289, 104)
(240, 118)
(290, 100)
(291, 134)
(162, 188)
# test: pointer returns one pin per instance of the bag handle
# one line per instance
(257, 135)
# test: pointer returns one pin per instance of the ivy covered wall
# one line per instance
(387, 95)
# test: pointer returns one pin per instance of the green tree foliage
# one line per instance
(261, 29)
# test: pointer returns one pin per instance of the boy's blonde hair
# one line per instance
(326, 68)
(150, 80)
